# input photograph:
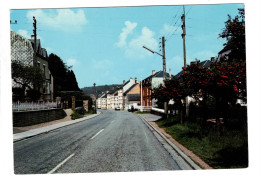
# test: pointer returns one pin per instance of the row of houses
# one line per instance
(129, 93)
(122, 97)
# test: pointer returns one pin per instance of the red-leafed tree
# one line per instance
(224, 80)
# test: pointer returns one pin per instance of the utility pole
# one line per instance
(34, 36)
(35, 48)
(183, 36)
(164, 74)
(95, 94)
(184, 58)
(164, 69)
(141, 82)
(163, 55)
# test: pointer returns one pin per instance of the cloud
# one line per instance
(60, 19)
(128, 29)
(135, 46)
(168, 29)
(204, 55)
(24, 33)
(175, 64)
(71, 62)
(102, 64)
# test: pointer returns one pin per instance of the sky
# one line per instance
(105, 44)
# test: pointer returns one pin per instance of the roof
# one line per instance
(126, 82)
(204, 64)
(41, 51)
(158, 74)
(129, 89)
(133, 97)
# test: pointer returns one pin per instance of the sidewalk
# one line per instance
(150, 119)
(24, 133)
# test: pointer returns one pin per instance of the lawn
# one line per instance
(227, 149)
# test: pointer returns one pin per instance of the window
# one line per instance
(38, 64)
(44, 69)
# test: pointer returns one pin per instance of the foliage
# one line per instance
(234, 33)
(230, 150)
(65, 79)
(222, 80)
(225, 80)
(172, 89)
(27, 76)
(100, 89)
(18, 94)
(33, 94)
(76, 115)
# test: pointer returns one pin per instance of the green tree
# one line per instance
(64, 78)
(234, 33)
(27, 77)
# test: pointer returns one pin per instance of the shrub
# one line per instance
(33, 95)
(75, 115)
(18, 94)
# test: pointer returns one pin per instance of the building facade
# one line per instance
(148, 84)
(22, 50)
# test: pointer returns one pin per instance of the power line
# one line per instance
(188, 11)
(173, 23)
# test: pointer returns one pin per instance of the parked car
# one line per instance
(117, 108)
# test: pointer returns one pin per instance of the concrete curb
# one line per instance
(31, 133)
(188, 160)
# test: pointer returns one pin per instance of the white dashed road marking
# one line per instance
(97, 134)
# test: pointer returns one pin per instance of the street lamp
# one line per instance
(141, 109)
(164, 68)
(95, 97)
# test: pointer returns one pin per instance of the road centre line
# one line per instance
(60, 164)
(97, 134)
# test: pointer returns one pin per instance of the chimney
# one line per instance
(153, 72)
(212, 59)
(123, 82)
(170, 73)
(135, 80)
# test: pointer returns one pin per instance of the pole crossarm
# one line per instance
(152, 51)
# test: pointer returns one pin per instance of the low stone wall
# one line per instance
(27, 118)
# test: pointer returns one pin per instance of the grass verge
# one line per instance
(226, 150)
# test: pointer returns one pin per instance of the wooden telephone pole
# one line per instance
(164, 68)
(184, 58)
(183, 36)
(35, 46)
(163, 55)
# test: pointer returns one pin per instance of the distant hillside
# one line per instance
(100, 89)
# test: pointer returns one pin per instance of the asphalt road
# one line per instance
(115, 141)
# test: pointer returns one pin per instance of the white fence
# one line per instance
(32, 106)
(144, 108)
